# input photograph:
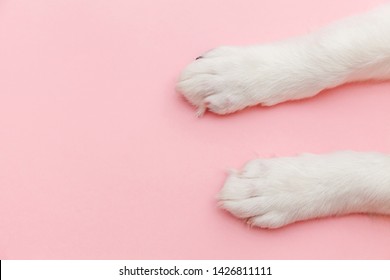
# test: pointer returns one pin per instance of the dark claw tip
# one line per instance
(199, 57)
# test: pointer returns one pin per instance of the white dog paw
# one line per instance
(266, 194)
(271, 193)
(228, 79)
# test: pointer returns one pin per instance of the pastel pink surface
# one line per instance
(101, 159)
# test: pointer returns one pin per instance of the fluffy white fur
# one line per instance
(274, 192)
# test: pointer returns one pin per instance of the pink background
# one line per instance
(101, 159)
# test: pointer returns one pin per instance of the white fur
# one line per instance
(275, 192)
(228, 79)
